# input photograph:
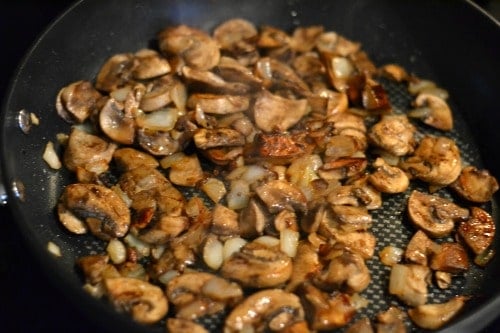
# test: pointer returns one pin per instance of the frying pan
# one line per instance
(452, 43)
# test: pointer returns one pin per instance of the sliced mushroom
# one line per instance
(130, 158)
(149, 65)
(375, 98)
(349, 219)
(343, 168)
(433, 111)
(435, 215)
(435, 316)
(158, 143)
(393, 133)
(88, 151)
(304, 38)
(391, 321)
(387, 178)
(77, 101)
(281, 194)
(409, 283)
(116, 123)
(232, 70)
(145, 302)
(238, 38)
(179, 325)
(149, 190)
(184, 170)
(272, 37)
(275, 148)
(115, 73)
(159, 93)
(475, 185)
(346, 271)
(306, 263)
(96, 268)
(194, 46)
(258, 266)
(326, 311)
(436, 161)
(161, 230)
(419, 248)
(394, 72)
(197, 294)
(253, 218)
(478, 231)
(360, 242)
(104, 212)
(206, 81)
(218, 104)
(272, 112)
(451, 258)
(362, 325)
(265, 310)
(205, 138)
(224, 221)
(276, 75)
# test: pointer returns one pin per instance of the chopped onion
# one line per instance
(141, 247)
(289, 240)
(238, 195)
(214, 188)
(391, 255)
(54, 249)
(231, 246)
(268, 241)
(213, 253)
(117, 251)
(50, 156)
(342, 67)
(161, 120)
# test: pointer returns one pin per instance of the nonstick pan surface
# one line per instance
(453, 44)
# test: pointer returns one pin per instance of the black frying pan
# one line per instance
(452, 43)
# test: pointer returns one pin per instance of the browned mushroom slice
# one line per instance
(149, 65)
(198, 294)
(273, 112)
(104, 212)
(391, 321)
(205, 138)
(77, 101)
(305, 264)
(434, 316)
(433, 111)
(343, 167)
(310, 68)
(419, 248)
(375, 98)
(346, 271)
(253, 218)
(233, 71)
(206, 81)
(157, 143)
(276, 75)
(149, 189)
(350, 218)
(475, 185)
(326, 311)
(409, 283)
(394, 72)
(330, 41)
(360, 242)
(435, 215)
(393, 133)
(115, 73)
(364, 64)
(179, 325)
(265, 310)
(478, 231)
(339, 146)
(130, 158)
(159, 93)
(116, 123)
(342, 73)
(225, 221)
(163, 229)
(223, 155)
(387, 178)
(145, 302)
(258, 266)
(194, 46)
(275, 148)
(451, 258)
(281, 194)
(218, 104)
(184, 170)
(88, 151)
(304, 38)
(436, 161)
(238, 38)
(96, 268)
(272, 37)
(362, 325)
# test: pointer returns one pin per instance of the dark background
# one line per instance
(28, 300)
